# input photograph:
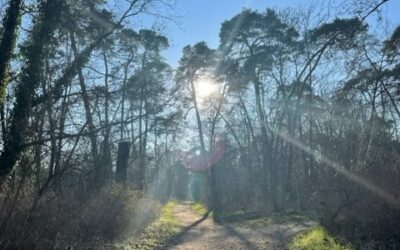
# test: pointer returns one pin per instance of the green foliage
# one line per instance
(194, 59)
(316, 238)
(254, 39)
(341, 32)
(392, 45)
(152, 41)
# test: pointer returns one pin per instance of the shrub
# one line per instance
(80, 221)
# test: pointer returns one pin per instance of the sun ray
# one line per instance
(340, 169)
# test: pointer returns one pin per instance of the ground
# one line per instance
(200, 232)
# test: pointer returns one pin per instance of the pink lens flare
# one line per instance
(195, 161)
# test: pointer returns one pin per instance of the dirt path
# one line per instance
(203, 233)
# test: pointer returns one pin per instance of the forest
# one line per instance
(284, 136)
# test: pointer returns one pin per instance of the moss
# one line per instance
(316, 238)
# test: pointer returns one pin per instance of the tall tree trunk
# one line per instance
(289, 173)
(142, 132)
(7, 43)
(145, 136)
(212, 170)
(211, 192)
(47, 22)
(141, 166)
(270, 175)
(125, 80)
(40, 121)
(106, 164)
(61, 125)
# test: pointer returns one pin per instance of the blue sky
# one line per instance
(200, 20)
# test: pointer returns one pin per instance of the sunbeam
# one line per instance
(375, 189)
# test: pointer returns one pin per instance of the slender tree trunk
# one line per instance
(61, 126)
(266, 149)
(3, 122)
(142, 157)
(141, 166)
(106, 164)
(145, 136)
(212, 171)
(289, 173)
(88, 112)
(38, 148)
(125, 80)
(211, 190)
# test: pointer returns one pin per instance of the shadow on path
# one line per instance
(175, 240)
(203, 233)
(232, 231)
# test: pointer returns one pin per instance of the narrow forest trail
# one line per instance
(202, 233)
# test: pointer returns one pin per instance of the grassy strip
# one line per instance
(316, 238)
(158, 233)
(199, 208)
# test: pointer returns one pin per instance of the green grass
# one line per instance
(199, 208)
(167, 216)
(158, 233)
(316, 238)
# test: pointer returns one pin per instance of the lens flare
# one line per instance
(193, 161)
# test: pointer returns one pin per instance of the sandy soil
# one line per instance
(203, 233)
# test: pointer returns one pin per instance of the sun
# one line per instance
(205, 88)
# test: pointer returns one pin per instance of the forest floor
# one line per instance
(201, 232)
